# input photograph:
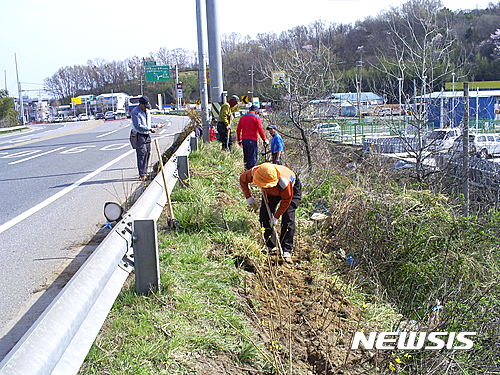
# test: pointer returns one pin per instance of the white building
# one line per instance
(116, 102)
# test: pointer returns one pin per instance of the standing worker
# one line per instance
(141, 128)
(225, 119)
(247, 132)
(277, 145)
(279, 185)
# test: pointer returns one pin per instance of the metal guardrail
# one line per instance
(59, 340)
(391, 145)
(483, 173)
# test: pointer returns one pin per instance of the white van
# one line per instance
(442, 139)
(482, 145)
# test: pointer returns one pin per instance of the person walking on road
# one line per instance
(247, 132)
(277, 145)
(225, 119)
(141, 129)
(280, 185)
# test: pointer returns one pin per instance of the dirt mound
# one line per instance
(303, 318)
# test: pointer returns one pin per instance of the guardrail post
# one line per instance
(193, 143)
(147, 266)
(183, 170)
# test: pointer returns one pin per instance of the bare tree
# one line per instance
(420, 56)
(311, 73)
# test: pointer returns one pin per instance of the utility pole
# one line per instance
(142, 72)
(465, 149)
(214, 52)
(20, 92)
(359, 64)
(251, 75)
(400, 89)
(179, 103)
(202, 68)
(5, 78)
(477, 109)
(453, 101)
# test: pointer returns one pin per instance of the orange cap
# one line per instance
(266, 176)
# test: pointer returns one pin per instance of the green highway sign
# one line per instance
(150, 63)
(157, 73)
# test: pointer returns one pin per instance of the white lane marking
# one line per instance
(36, 156)
(163, 131)
(20, 153)
(116, 146)
(108, 133)
(66, 190)
(77, 149)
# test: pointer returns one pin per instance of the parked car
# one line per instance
(83, 117)
(441, 139)
(99, 116)
(326, 129)
(120, 114)
(482, 145)
(110, 115)
(385, 112)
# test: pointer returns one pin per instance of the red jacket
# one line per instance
(249, 127)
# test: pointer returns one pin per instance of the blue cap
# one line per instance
(272, 127)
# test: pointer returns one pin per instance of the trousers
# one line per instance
(224, 137)
(287, 220)
(143, 152)
(250, 152)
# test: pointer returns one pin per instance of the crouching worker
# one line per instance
(280, 186)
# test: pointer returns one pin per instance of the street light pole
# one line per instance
(20, 92)
(202, 67)
(214, 52)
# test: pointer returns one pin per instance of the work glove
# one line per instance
(252, 203)
(266, 142)
(274, 222)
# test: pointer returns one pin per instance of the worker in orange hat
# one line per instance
(280, 186)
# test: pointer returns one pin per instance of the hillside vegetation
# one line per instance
(421, 38)
(385, 257)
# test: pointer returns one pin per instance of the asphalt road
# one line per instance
(55, 180)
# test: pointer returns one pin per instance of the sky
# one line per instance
(49, 34)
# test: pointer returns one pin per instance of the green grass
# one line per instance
(196, 313)
(7, 130)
